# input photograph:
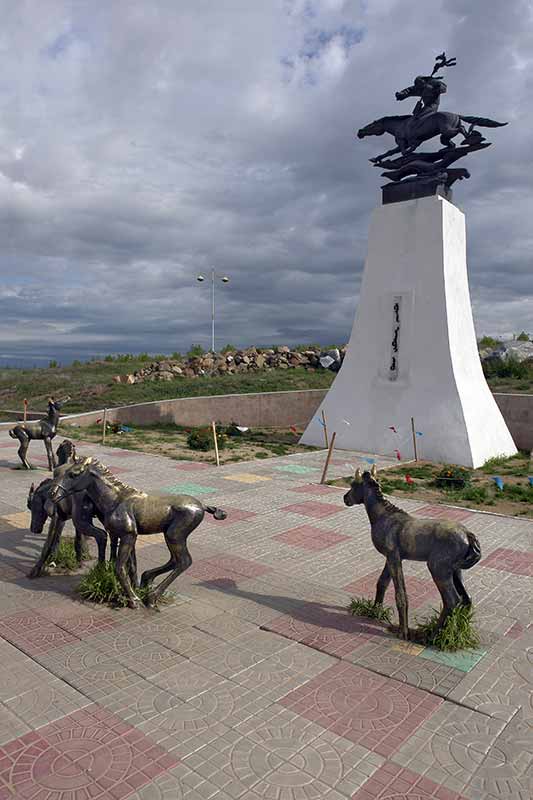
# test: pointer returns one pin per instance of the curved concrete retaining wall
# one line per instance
(274, 409)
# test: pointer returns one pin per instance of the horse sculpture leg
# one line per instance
(50, 546)
(82, 519)
(181, 560)
(394, 565)
(50, 453)
(24, 440)
(126, 546)
(382, 585)
(459, 585)
(443, 575)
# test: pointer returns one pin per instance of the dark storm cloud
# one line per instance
(142, 143)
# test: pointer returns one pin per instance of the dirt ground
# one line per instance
(172, 442)
(481, 494)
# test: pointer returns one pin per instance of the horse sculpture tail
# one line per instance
(483, 122)
(218, 513)
(473, 554)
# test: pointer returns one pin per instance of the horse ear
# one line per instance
(32, 490)
(374, 471)
(357, 475)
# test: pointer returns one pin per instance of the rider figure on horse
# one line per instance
(429, 89)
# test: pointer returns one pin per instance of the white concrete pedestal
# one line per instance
(412, 351)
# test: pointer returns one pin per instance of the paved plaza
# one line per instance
(255, 682)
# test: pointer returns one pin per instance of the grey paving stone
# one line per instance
(46, 702)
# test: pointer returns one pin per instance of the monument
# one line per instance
(412, 352)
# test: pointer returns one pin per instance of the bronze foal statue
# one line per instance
(446, 547)
(44, 429)
(77, 507)
(127, 512)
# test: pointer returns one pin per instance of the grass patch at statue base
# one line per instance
(457, 633)
(364, 607)
(65, 556)
(101, 585)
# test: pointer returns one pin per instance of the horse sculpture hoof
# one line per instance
(134, 603)
(35, 572)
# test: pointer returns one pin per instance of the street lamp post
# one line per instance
(224, 279)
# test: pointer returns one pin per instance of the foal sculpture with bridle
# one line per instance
(127, 512)
(78, 507)
(44, 429)
(446, 547)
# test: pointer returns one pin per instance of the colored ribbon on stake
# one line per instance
(498, 481)
(398, 455)
(530, 479)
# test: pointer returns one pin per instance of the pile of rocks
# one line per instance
(249, 360)
(511, 348)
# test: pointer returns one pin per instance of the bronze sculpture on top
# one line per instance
(44, 429)
(420, 174)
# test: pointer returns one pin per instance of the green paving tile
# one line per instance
(464, 660)
(188, 488)
(299, 468)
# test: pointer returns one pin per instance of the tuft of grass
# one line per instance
(101, 585)
(457, 633)
(364, 607)
(65, 555)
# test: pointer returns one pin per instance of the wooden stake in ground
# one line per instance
(104, 425)
(414, 438)
(328, 458)
(25, 409)
(325, 428)
(214, 427)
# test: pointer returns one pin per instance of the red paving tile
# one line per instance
(419, 590)
(316, 488)
(332, 632)
(118, 470)
(226, 568)
(367, 709)
(86, 755)
(234, 515)
(313, 508)
(443, 512)
(33, 633)
(192, 466)
(310, 538)
(84, 625)
(507, 560)
(392, 782)
(516, 631)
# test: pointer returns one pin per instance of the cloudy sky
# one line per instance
(142, 143)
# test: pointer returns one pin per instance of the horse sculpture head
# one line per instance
(75, 479)
(375, 128)
(65, 452)
(36, 503)
(356, 494)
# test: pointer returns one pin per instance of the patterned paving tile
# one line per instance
(333, 632)
(310, 538)
(180, 783)
(393, 782)
(11, 726)
(188, 488)
(463, 660)
(438, 678)
(34, 634)
(363, 707)
(140, 702)
(186, 680)
(45, 702)
(507, 560)
(89, 753)
(247, 477)
(87, 624)
(312, 508)
(444, 512)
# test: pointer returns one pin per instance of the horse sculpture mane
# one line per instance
(112, 479)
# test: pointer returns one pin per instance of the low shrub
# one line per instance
(457, 633)
(452, 476)
(101, 585)
(364, 607)
(65, 555)
(202, 438)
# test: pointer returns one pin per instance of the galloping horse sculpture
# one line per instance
(127, 512)
(77, 507)
(410, 132)
(44, 429)
(446, 547)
